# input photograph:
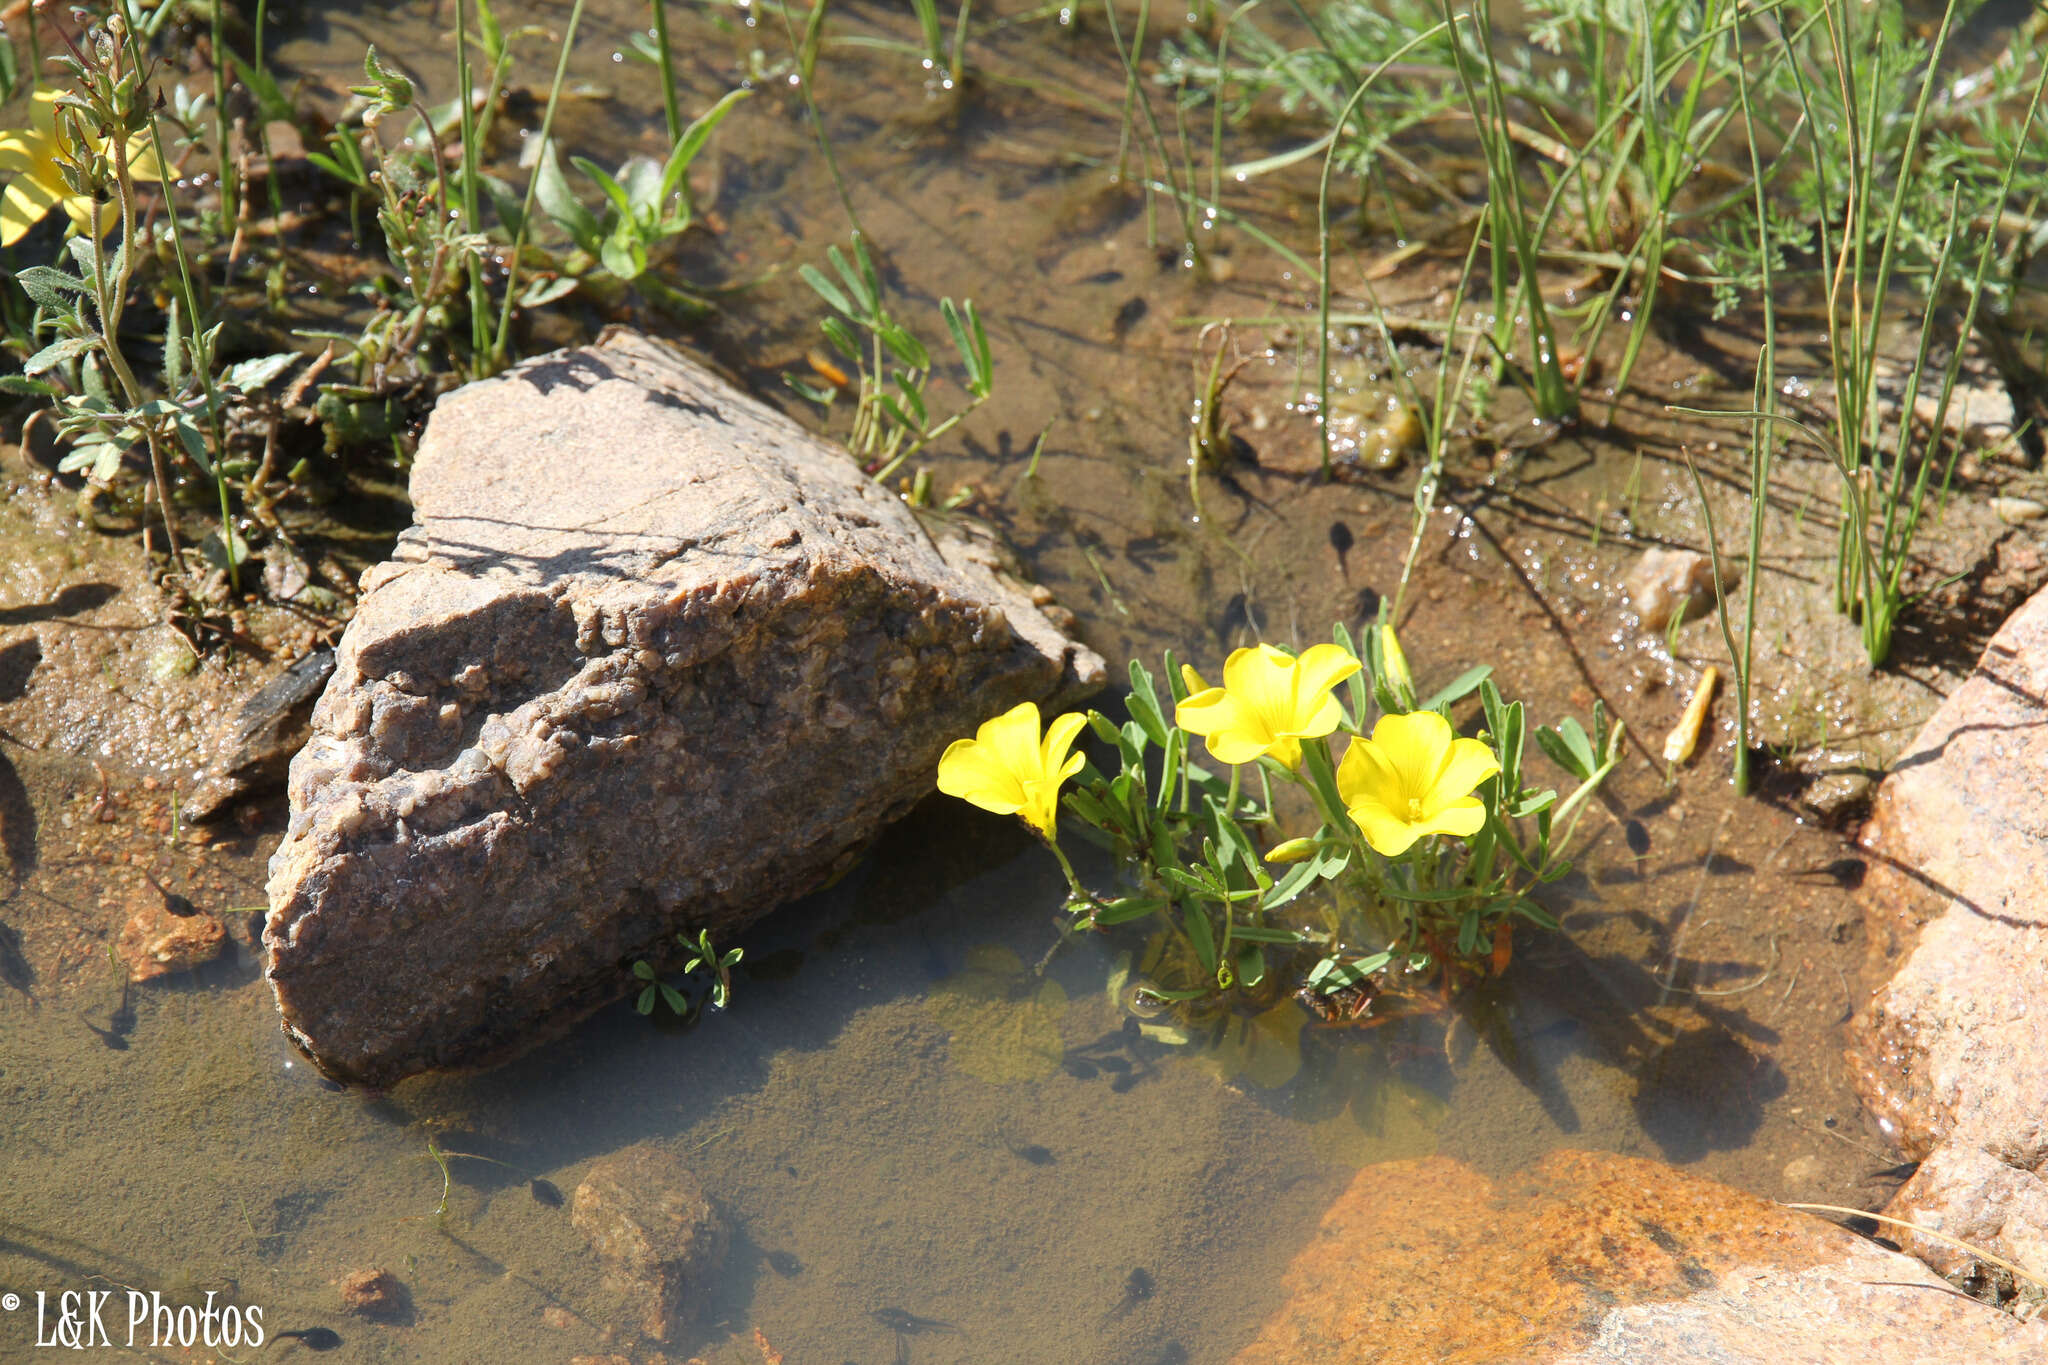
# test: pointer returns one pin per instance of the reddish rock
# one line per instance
(1951, 1053)
(375, 1294)
(157, 943)
(649, 1223)
(1598, 1259)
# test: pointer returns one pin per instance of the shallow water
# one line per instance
(897, 1112)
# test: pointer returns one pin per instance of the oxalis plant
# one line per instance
(1406, 857)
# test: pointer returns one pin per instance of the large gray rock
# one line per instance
(652, 658)
(1952, 1052)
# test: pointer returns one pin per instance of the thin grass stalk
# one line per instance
(1450, 396)
(1323, 229)
(1553, 397)
(472, 216)
(665, 60)
(263, 127)
(226, 164)
(1761, 443)
(1896, 539)
(957, 65)
(806, 52)
(1191, 245)
(500, 342)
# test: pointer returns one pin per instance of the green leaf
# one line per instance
(1201, 935)
(897, 414)
(47, 285)
(493, 37)
(1144, 704)
(821, 394)
(26, 387)
(1124, 910)
(913, 398)
(189, 436)
(693, 139)
(827, 291)
(224, 554)
(641, 180)
(1355, 686)
(1256, 933)
(1457, 689)
(905, 347)
(613, 190)
(841, 336)
(1569, 748)
(1251, 964)
(57, 353)
(273, 107)
(623, 253)
(543, 289)
(559, 202)
(387, 87)
(252, 376)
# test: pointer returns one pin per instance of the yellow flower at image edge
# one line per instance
(1269, 702)
(29, 155)
(1007, 768)
(1413, 778)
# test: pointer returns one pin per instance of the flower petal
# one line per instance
(1389, 835)
(1468, 763)
(1463, 818)
(1363, 775)
(142, 163)
(26, 153)
(1263, 679)
(24, 204)
(1059, 738)
(1220, 716)
(1414, 746)
(42, 112)
(970, 770)
(1012, 740)
(1320, 668)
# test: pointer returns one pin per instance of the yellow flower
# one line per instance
(1008, 769)
(1268, 703)
(1412, 778)
(34, 157)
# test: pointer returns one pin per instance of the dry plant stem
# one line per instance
(2008, 1267)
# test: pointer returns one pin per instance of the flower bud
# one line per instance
(1292, 851)
(1396, 663)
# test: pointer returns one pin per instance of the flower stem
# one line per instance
(1080, 892)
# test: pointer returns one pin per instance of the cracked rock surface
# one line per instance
(651, 658)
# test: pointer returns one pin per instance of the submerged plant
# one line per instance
(892, 416)
(703, 958)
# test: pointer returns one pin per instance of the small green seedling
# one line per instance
(703, 957)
